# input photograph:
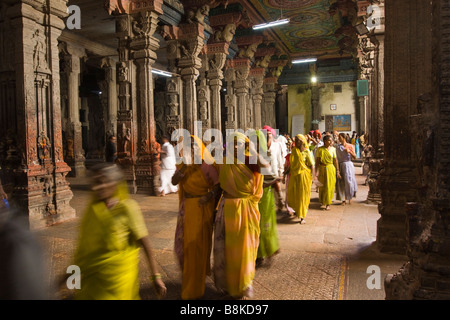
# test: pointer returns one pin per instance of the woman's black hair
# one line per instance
(327, 137)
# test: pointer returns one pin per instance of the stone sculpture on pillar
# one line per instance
(34, 163)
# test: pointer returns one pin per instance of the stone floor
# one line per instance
(325, 259)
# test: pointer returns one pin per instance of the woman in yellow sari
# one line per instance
(237, 224)
(198, 186)
(112, 232)
(301, 171)
(326, 160)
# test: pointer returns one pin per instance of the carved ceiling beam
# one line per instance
(224, 21)
(133, 6)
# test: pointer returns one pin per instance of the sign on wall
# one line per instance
(341, 122)
(362, 88)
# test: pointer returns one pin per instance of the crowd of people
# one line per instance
(227, 215)
(227, 211)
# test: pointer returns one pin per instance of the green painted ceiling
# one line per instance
(311, 30)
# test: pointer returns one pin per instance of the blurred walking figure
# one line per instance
(111, 235)
(168, 167)
(198, 190)
(346, 187)
(301, 169)
(111, 149)
(21, 270)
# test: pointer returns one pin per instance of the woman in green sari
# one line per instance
(268, 238)
(328, 168)
(112, 232)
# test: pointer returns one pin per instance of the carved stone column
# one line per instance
(426, 274)
(204, 95)
(135, 28)
(217, 55)
(109, 65)
(282, 114)
(257, 92)
(174, 92)
(71, 55)
(126, 115)
(191, 43)
(407, 76)
(276, 66)
(241, 88)
(230, 97)
(270, 94)
(371, 56)
(32, 158)
(144, 46)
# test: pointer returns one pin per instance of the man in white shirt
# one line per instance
(283, 142)
(168, 162)
(274, 150)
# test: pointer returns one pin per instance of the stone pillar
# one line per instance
(135, 28)
(110, 67)
(191, 43)
(407, 76)
(376, 133)
(217, 55)
(126, 115)
(230, 98)
(174, 92)
(71, 55)
(241, 88)
(282, 113)
(270, 94)
(426, 275)
(32, 156)
(144, 46)
(204, 95)
(256, 89)
(224, 20)
(271, 87)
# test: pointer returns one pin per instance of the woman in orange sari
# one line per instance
(198, 185)
(237, 224)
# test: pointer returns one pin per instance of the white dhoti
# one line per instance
(168, 169)
(166, 181)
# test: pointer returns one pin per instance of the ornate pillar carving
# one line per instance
(241, 89)
(144, 45)
(191, 44)
(217, 55)
(135, 29)
(174, 92)
(426, 274)
(110, 67)
(270, 94)
(126, 115)
(270, 87)
(224, 21)
(230, 97)
(32, 156)
(407, 76)
(263, 57)
(248, 43)
(70, 70)
(257, 92)
(371, 56)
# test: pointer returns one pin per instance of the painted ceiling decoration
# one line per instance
(318, 28)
